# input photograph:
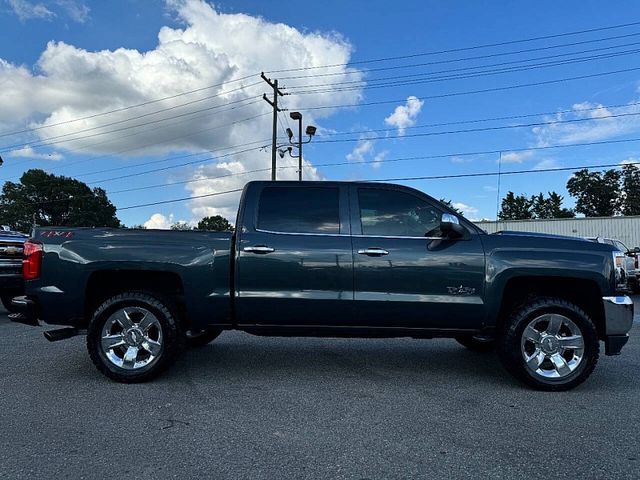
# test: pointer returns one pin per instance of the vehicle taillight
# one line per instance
(32, 260)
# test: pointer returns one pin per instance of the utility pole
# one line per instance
(276, 92)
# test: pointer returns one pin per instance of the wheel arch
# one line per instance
(104, 284)
(583, 292)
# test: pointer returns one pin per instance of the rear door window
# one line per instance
(299, 210)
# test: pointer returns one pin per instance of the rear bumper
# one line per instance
(618, 312)
(28, 310)
(11, 282)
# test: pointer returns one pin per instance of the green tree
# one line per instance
(52, 200)
(181, 226)
(550, 207)
(597, 194)
(215, 223)
(450, 205)
(515, 207)
(631, 188)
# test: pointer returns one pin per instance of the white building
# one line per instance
(625, 229)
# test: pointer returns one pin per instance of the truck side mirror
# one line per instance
(450, 226)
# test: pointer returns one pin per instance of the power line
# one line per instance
(95, 115)
(426, 177)
(472, 92)
(462, 49)
(476, 67)
(180, 199)
(481, 129)
(456, 60)
(47, 141)
(482, 120)
(153, 144)
(170, 167)
(392, 160)
(487, 73)
(388, 160)
(492, 174)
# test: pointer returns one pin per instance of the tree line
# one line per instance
(597, 194)
(45, 199)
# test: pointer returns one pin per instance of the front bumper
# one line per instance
(618, 312)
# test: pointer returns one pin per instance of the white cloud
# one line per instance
(158, 221)
(405, 115)
(379, 158)
(29, 152)
(630, 161)
(605, 126)
(362, 148)
(464, 208)
(490, 188)
(210, 48)
(76, 10)
(26, 10)
(547, 163)
(516, 157)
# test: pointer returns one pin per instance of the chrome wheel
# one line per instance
(552, 346)
(131, 338)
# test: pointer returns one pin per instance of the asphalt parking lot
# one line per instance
(251, 407)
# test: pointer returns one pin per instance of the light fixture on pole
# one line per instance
(310, 131)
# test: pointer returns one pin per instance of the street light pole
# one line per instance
(298, 116)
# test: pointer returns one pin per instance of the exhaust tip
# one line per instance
(60, 334)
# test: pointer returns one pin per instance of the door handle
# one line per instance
(261, 249)
(373, 252)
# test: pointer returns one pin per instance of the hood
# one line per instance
(538, 235)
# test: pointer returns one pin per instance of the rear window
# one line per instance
(299, 210)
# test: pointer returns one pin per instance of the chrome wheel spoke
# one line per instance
(129, 359)
(573, 342)
(532, 334)
(151, 346)
(112, 341)
(147, 322)
(560, 364)
(124, 319)
(555, 323)
(536, 360)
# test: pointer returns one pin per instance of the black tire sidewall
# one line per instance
(170, 336)
(510, 345)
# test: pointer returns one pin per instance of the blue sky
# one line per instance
(108, 56)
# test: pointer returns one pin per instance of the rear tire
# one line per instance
(550, 344)
(476, 343)
(133, 337)
(201, 338)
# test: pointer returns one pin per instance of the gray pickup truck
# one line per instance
(11, 284)
(331, 259)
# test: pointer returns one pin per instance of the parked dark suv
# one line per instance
(11, 283)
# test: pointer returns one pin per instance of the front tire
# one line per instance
(549, 344)
(133, 337)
